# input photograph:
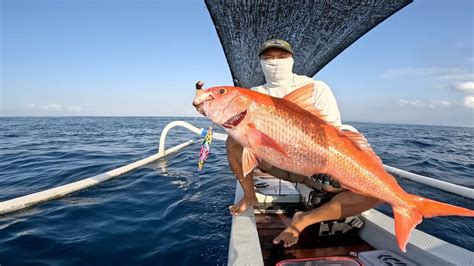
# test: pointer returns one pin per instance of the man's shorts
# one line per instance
(316, 181)
(318, 196)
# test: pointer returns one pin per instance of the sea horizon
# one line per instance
(202, 117)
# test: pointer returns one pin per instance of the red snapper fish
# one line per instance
(291, 134)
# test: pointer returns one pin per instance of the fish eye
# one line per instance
(222, 91)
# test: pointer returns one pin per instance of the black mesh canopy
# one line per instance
(318, 30)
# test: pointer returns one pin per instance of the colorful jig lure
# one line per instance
(205, 148)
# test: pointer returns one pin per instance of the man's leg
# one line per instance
(234, 155)
(344, 204)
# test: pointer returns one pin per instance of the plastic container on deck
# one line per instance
(321, 261)
(383, 257)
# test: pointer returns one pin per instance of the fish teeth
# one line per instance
(235, 119)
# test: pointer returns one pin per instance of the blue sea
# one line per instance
(168, 213)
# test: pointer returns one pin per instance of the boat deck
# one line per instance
(310, 244)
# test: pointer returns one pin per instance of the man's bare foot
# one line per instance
(290, 235)
(243, 204)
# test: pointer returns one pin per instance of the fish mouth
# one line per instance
(235, 120)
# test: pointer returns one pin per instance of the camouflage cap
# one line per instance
(275, 43)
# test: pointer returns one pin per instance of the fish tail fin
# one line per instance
(431, 208)
(406, 219)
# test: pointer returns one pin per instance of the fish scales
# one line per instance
(291, 134)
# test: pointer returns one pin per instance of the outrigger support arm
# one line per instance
(199, 131)
(27, 201)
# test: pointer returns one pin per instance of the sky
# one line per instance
(142, 58)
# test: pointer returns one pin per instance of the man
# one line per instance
(276, 60)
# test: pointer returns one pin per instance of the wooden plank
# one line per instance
(310, 245)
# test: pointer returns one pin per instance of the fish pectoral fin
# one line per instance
(258, 138)
(249, 161)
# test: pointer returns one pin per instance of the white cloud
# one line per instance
(55, 108)
(469, 101)
(463, 44)
(460, 79)
(432, 104)
(74, 108)
(467, 86)
(450, 74)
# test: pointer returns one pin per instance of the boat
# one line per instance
(321, 30)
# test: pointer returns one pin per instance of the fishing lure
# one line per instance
(205, 148)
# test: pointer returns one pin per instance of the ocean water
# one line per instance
(168, 213)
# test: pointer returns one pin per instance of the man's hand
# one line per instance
(327, 183)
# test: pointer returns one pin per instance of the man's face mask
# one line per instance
(277, 69)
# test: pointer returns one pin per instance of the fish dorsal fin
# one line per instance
(361, 143)
(303, 97)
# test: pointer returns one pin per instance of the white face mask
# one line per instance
(277, 70)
